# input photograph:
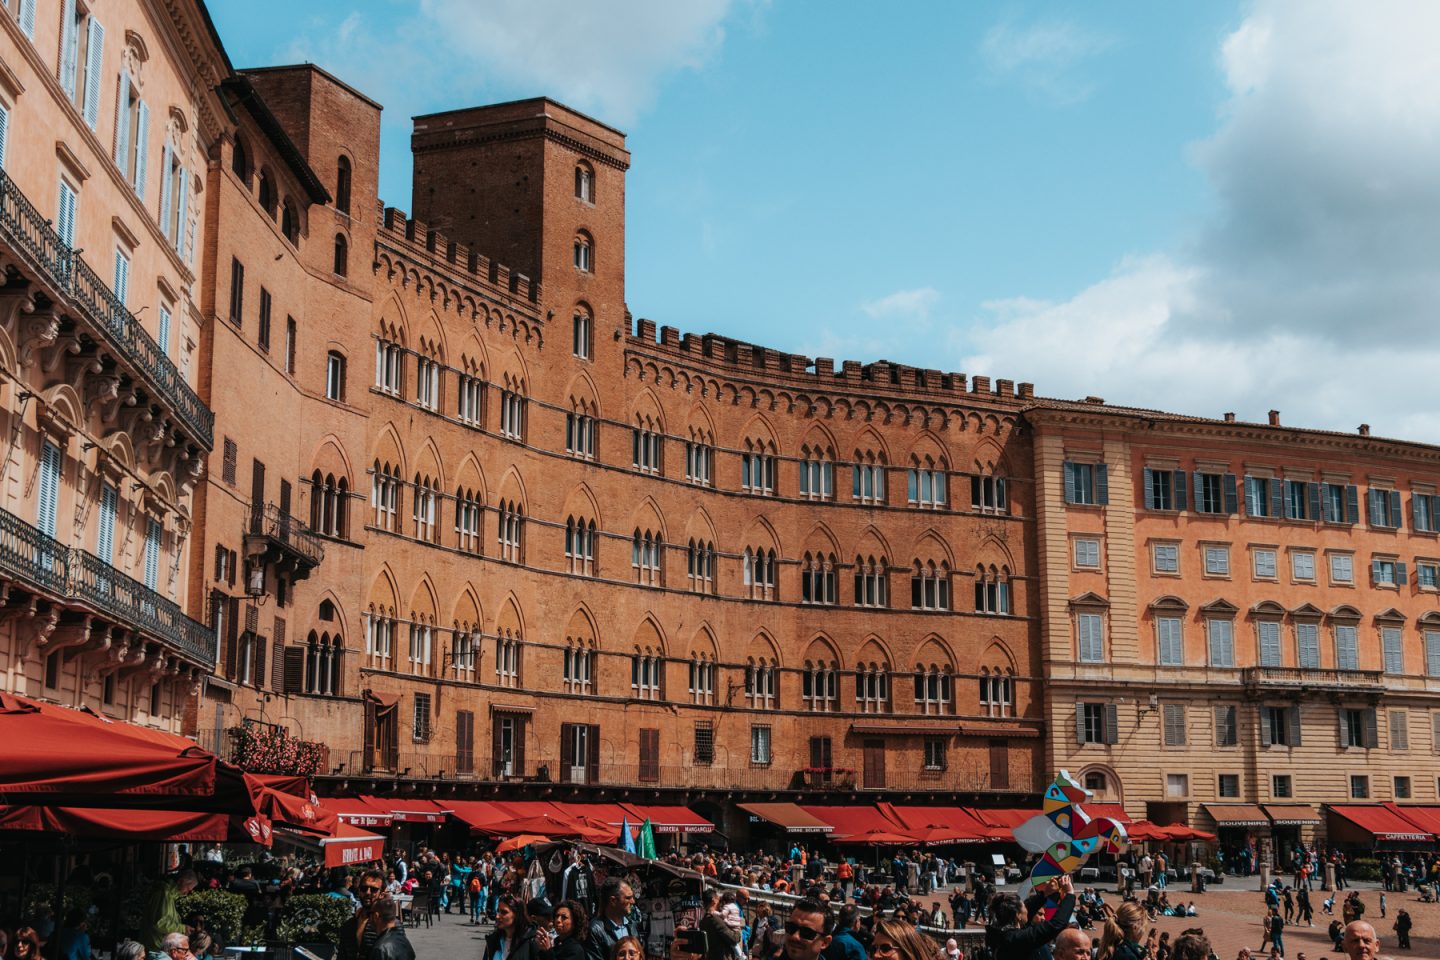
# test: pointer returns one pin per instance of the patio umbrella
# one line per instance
(520, 840)
(172, 826)
(288, 810)
(54, 755)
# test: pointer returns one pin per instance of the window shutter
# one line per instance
(1069, 483)
(1269, 643)
(567, 750)
(94, 64)
(1149, 490)
(105, 542)
(497, 750)
(1432, 658)
(367, 761)
(1197, 483)
(1264, 724)
(1372, 732)
(1352, 504)
(260, 661)
(4, 122)
(1312, 491)
(1417, 511)
(1375, 573)
(122, 121)
(1102, 484)
(1080, 719)
(592, 754)
(1392, 518)
(27, 17)
(142, 148)
(232, 634)
(1252, 499)
(1277, 497)
(1178, 481)
(1112, 724)
(1232, 494)
(1374, 507)
(1402, 575)
(65, 67)
(184, 231)
(166, 195)
(1292, 728)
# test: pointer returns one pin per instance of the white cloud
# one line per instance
(903, 305)
(604, 57)
(1043, 56)
(1313, 287)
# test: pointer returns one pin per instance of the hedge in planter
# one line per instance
(314, 918)
(222, 914)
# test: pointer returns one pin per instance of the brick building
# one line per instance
(469, 528)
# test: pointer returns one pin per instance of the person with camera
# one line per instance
(1011, 935)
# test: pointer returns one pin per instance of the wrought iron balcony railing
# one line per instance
(287, 532)
(70, 574)
(23, 226)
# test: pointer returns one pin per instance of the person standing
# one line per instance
(844, 945)
(721, 939)
(359, 933)
(391, 944)
(612, 923)
(1010, 934)
(161, 916)
(1402, 928)
(1124, 935)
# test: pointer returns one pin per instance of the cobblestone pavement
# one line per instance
(1230, 917)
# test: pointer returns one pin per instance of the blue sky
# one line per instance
(1200, 207)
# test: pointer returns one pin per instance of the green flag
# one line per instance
(647, 841)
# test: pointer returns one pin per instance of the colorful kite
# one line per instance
(1065, 835)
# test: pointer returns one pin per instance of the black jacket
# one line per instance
(570, 948)
(719, 938)
(522, 949)
(602, 942)
(1029, 942)
(392, 945)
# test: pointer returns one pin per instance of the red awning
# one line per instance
(852, 821)
(1426, 818)
(358, 813)
(1002, 821)
(55, 755)
(788, 816)
(1107, 811)
(478, 813)
(172, 826)
(352, 845)
(1380, 822)
(935, 825)
(1236, 814)
(288, 810)
(607, 815)
(668, 818)
(409, 810)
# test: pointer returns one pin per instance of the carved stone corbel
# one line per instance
(67, 345)
(160, 439)
(16, 301)
(102, 395)
(197, 681)
(37, 331)
(41, 626)
(65, 636)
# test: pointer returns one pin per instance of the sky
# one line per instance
(1198, 207)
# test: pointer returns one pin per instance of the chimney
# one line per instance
(1230, 416)
(1274, 418)
(1364, 429)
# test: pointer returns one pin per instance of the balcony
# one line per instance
(1299, 680)
(94, 321)
(74, 579)
(274, 538)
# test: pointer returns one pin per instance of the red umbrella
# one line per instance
(54, 755)
(877, 838)
(520, 840)
(288, 810)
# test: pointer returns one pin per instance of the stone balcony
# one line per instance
(1301, 680)
(74, 601)
(64, 308)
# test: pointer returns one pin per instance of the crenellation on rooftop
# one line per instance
(399, 228)
(747, 359)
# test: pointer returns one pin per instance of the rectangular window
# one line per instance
(1268, 635)
(1347, 649)
(1340, 503)
(1402, 788)
(1172, 648)
(1216, 493)
(1087, 553)
(1357, 728)
(1164, 489)
(1359, 787)
(926, 487)
(1228, 785)
(1307, 642)
(132, 133)
(1091, 637)
(988, 495)
(420, 730)
(48, 490)
(121, 286)
(153, 543)
(1265, 565)
(1217, 561)
(263, 333)
(1226, 729)
(237, 292)
(760, 744)
(1392, 650)
(1302, 565)
(1177, 785)
(757, 473)
(704, 743)
(65, 219)
(1382, 508)
(1432, 657)
(1425, 509)
(1087, 484)
(334, 376)
(1399, 730)
(1280, 726)
(1096, 723)
(1166, 557)
(163, 339)
(4, 126)
(1387, 572)
(936, 749)
(1264, 497)
(1280, 786)
(1427, 574)
(1174, 724)
(290, 335)
(1342, 568)
(1222, 642)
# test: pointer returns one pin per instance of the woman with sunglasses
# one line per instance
(894, 940)
(26, 945)
(1011, 935)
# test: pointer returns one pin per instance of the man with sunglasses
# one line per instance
(808, 930)
(359, 933)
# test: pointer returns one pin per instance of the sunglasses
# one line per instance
(803, 932)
